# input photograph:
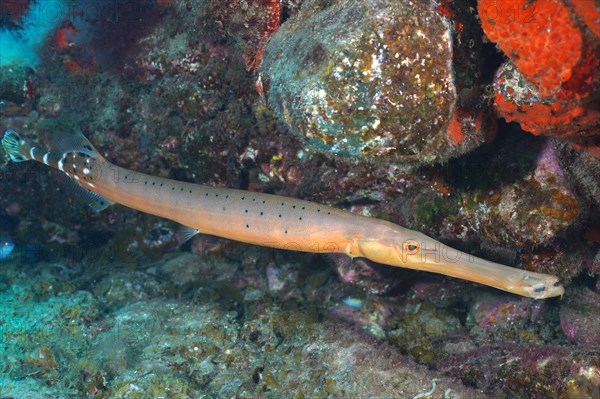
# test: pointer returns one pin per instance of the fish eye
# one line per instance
(411, 247)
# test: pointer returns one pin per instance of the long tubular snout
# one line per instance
(401, 247)
(446, 260)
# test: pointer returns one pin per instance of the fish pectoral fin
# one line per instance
(185, 234)
(91, 199)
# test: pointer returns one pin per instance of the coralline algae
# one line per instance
(371, 79)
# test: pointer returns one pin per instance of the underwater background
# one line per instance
(475, 122)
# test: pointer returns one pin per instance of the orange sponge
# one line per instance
(517, 101)
(545, 42)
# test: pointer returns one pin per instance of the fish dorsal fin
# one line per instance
(76, 142)
(93, 200)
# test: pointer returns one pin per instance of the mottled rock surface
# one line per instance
(370, 79)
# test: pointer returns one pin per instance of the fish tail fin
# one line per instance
(17, 149)
(72, 154)
(20, 150)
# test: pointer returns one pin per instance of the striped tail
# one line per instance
(73, 156)
(16, 148)
(20, 150)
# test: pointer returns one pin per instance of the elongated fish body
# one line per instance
(271, 220)
(256, 218)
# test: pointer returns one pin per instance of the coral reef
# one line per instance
(191, 326)
(577, 317)
(527, 371)
(260, 19)
(535, 209)
(17, 90)
(583, 170)
(122, 310)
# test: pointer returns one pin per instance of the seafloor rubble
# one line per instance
(196, 326)
(292, 97)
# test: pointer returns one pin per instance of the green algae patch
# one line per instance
(417, 331)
